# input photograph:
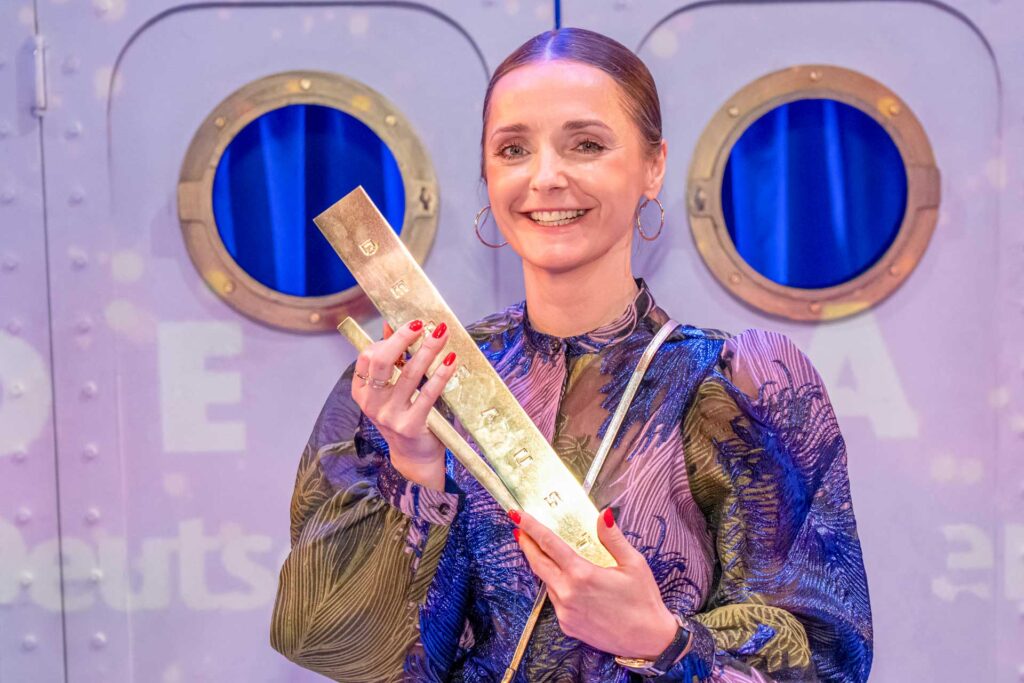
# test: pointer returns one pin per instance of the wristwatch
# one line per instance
(675, 651)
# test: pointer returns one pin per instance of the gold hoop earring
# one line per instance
(661, 226)
(476, 228)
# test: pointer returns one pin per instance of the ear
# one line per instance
(655, 176)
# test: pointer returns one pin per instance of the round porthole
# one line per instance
(813, 193)
(267, 160)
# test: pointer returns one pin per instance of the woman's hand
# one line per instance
(414, 450)
(618, 610)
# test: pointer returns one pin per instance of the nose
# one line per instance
(548, 171)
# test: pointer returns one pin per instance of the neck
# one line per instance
(577, 301)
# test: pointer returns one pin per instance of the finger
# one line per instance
(549, 542)
(611, 537)
(432, 389)
(388, 331)
(416, 367)
(542, 565)
(385, 353)
(358, 372)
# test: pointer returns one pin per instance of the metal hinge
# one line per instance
(39, 57)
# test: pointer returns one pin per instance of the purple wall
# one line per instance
(155, 432)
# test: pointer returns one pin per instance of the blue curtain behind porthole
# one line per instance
(281, 171)
(814, 193)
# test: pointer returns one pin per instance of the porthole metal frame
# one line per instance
(195, 194)
(707, 171)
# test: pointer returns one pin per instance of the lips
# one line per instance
(555, 218)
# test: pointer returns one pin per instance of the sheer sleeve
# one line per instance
(365, 547)
(767, 466)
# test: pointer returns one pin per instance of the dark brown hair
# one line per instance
(640, 95)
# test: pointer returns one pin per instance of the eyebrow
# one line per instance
(576, 124)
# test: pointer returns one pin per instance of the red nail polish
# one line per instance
(439, 331)
(416, 325)
(514, 516)
(515, 534)
(449, 359)
(609, 518)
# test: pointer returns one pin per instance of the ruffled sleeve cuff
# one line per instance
(418, 502)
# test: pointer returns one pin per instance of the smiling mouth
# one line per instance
(550, 219)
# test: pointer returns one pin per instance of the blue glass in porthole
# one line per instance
(814, 193)
(281, 171)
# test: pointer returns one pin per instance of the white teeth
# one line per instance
(556, 217)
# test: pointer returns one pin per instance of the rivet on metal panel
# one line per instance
(92, 515)
(29, 642)
(96, 575)
(26, 578)
(894, 271)
(305, 83)
(84, 324)
(10, 262)
(14, 326)
(228, 287)
(76, 197)
(90, 452)
(17, 389)
(23, 515)
(79, 259)
(894, 109)
(734, 278)
(89, 390)
(70, 64)
(390, 119)
(74, 130)
(314, 317)
(734, 111)
(99, 640)
(815, 76)
(220, 122)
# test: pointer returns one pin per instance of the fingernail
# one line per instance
(439, 330)
(515, 534)
(609, 518)
(514, 516)
(449, 359)
(416, 325)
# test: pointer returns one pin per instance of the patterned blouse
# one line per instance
(728, 474)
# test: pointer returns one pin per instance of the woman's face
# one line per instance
(565, 165)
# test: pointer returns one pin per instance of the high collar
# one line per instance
(596, 339)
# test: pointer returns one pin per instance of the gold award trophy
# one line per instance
(522, 469)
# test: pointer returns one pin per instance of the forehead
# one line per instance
(555, 91)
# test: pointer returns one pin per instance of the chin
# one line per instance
(555, 260)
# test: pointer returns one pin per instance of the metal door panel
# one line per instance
(196, 415)
(923, 382)
(30, 584)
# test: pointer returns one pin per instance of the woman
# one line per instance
(726, 498)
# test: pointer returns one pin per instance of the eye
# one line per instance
(590, 147)
(511, 150)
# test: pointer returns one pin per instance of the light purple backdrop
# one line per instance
(154, 432)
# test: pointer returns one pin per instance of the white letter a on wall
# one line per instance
(855, 348)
